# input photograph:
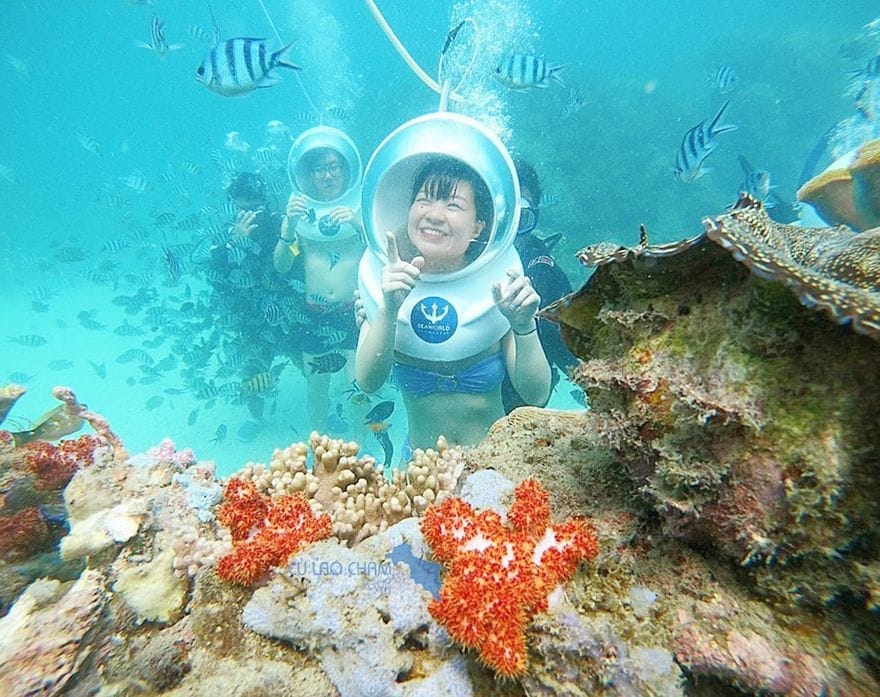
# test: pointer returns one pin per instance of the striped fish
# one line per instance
(723, 78)
(521, 72)
(698, 143)
(29, 340)
(115, 245)
(157, 43)
(258, 384)
(88, 143)
(219, 434)
(238, 66)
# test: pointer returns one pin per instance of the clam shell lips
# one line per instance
(832, 269)
(829, 268)
(848, 191)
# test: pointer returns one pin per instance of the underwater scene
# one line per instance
(473, 347)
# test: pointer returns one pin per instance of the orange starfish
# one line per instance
(265, 532)
(499, 576)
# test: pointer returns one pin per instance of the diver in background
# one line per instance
(324, 250)
(248, 293)
(450, 215)
(548, 279)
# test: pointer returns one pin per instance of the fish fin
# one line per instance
(714, 128)
(745, 164)
(268, 81)
(554, 75)
(277, 58)
(216, 26)
(22, 437)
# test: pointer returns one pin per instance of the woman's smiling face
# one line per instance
(442, 229)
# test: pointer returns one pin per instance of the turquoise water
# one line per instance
(102, 137)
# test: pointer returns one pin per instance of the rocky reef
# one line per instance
(709, 526)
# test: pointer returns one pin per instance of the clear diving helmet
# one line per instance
(447, 316)
(306, 173)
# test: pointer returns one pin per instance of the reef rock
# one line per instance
(743, 419)
(47, 636)
(364, 618)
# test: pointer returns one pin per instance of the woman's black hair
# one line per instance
(528, 179)
(439, 176)
(247, 186)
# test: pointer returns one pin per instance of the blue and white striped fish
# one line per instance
(723, 78)
(698, 143)
(238, 66)
(522, 72)
(158, 44)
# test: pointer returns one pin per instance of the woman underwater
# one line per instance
(450, 211)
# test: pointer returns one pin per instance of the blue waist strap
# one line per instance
(483, 376)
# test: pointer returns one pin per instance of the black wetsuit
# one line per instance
(250, 295)
(551, 283)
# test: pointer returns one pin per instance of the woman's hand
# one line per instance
(517, 300)
(340, 215)
(398, 277)
(297, 208)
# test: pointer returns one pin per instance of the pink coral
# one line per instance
(166, 452)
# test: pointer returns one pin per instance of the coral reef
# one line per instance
(33, 476)
(265, 532)
(746, 422)
(353, 490)
(726, 467)
(96, 421)
(500, 576)
(751, 422)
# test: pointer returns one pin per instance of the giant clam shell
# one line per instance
(848, 191)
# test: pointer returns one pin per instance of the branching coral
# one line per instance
(500, 575)
(352, 489)
(265, 532)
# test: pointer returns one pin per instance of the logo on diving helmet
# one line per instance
(434, 319)
(326, 227)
